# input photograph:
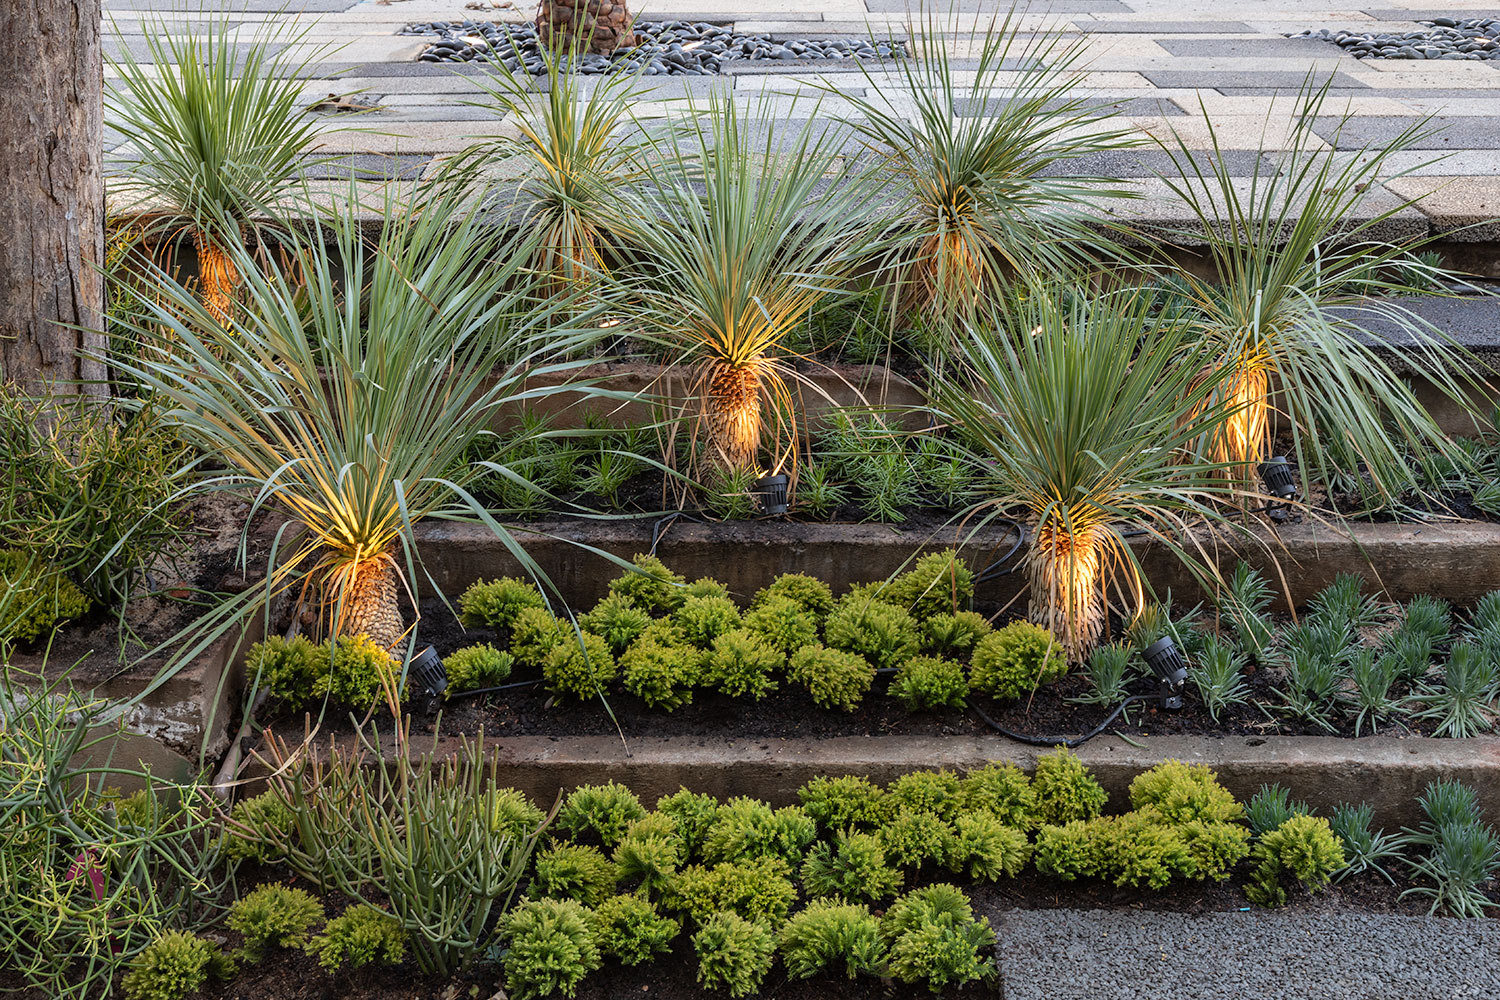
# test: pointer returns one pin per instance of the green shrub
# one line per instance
(733, 953)
(1134, 850)
(515, 815)
(355, 674)
(617, 621)
(807, 592)
(1303, 848)
(1182, 793)
(1272, 806)
(740, 665)
(552, 947)
(828, 935)
(1065, 790)
(1002, 790)
(924, 683)
(783, 624)
(1214, 848)
(936, 792)
(600, 812)
(704, 619)
(986, 848)
(477, 666)
(835, 679)
(574, 871)
(650, 852)
(913, 839)
(267, 818)
(362, 936)
(849, 802)
(173, 966)
(760, 890)
(630, 929)
(290, 667)
(939, 583)
(652, 588)
(932, 937)
(954, 634)
(854, 868)
(536, 633)
(273, 916)
(1016, 659)
(746, 828)
(661, 676)
(881, 633)
(705, 586)
(497, 603)
(1066, 851)
(579, 665)
(693, 812)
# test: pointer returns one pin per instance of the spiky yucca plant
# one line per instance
(219, 136)
(1301, 269)
(1086, 418)
(743, 233)
(348, 402)
(977, 199)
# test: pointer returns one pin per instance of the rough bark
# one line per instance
(51, 193)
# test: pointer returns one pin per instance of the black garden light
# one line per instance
(1165, 660)
(428, 676)
(1276, 473)
(770, 493)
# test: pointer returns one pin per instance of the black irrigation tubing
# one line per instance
(993, 570)
(499, 687)
(1057, 741)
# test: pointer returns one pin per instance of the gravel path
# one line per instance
(1135, 955)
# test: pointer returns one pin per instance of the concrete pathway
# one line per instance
(1169, 59)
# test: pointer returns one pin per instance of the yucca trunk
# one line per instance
(598, 26)
(370, 592)
(218, 278)
(1067, 586)
(947, 275)
(1241, 440)
(733, 413)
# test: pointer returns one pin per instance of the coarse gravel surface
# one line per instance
(1142, 955)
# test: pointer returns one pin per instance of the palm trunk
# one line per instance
(371, 602)
(218, 278)
(733, 409)
(1067, 586)
(598, 26)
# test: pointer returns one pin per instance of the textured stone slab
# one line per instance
(994, 6)
(1426, 13)
(1283, 79)
(1336, 95)
(1461, 208)
(241, 6)
(1183, 27)
(1380, 130)
(1133, 106)
(364, 166)
(1149, 162)
(1279, 48)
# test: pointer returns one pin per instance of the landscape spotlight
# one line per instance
(428, 676)
(770, 493)
(1165, 660)
(1276, 473)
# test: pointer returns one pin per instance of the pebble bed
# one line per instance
(664, 48)
(1444, 38)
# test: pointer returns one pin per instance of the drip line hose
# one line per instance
(499, 687)
(993, 570)
(1055, 741)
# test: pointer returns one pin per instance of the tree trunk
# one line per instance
(51, 193)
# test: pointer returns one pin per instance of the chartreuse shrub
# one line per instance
(551, 946)
(651, 587)
(745, 828)
(693, 812)
(1064, 789)
(477, 666)
(882, 633)
(704, 619)
(740, 664)
(848, 802)
(1002, 790)
(1182, 793)
(574, 871)
(535, 633)
(650, 852)
(1013, 660)
(828, 936)
(924, 683)
(174, 966)
(985, 848)
(628, 928)
(733, 953)
(760, 890)
(514, 815)
(273, 916)
(602, 813)
(939, 583)
(853, 868)
(497, 603)
(256, 824)
(580, 665)
(41, 597)
(662, 676)
(807, 592)
(783, 624)
(361, 936)
(617, 621)
(299, 671)
(1302, 848)
(931, 937)
(835, 679)
(937, 792)
(291, 667)
(954, 634)
(914, 839)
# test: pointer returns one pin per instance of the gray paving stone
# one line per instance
(994, 6)
(1174, 79)
(430, 113)
(1129, 163)
(1427, 13)
(1337, 94)
(1274, 48)
(1184, 27)
(116, 48)
(1380, 130)
(368, 166)
(241, 6)
(1142, 107)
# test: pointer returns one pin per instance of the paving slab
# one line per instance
(1184, 27)
(1247, 47)
(994, 6)
(1290, 80)
(1381, 130)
